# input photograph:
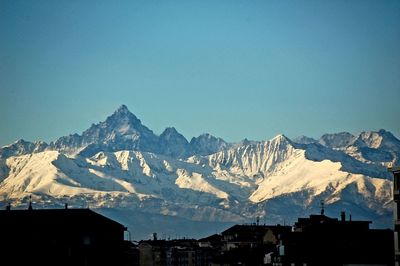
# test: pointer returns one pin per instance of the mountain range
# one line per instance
(167, 184)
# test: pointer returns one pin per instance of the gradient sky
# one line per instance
(235, 69)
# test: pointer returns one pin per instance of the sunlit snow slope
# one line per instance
(121, 166)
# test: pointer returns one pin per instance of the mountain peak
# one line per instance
(207, 144)
(171, 134)
(122, 109)
(377, 139)
(336, 140)
(169, 131)
(123, 115)
(304, 140)
(387, 134)
(21, 141)
(18, 142)
(280, 138)
(172, 143)
(120, 131)
(383, 131)
(205, 136)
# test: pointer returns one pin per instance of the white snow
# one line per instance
(230, 184)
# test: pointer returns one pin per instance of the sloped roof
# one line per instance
(55, 217)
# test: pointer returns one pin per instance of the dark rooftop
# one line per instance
(59, 217)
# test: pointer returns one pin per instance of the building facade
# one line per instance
(396, 212)
(60, 237)
(322, 240)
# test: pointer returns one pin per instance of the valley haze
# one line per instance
(175, 187)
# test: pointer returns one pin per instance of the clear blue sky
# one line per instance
(235, 69)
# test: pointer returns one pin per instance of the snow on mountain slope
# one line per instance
(30, 174)
(112, 179)
(124, 131)
(188, 189)
(120, 131)
(371, 147)
(53, 174)
(337, 140)
(304, 140)
(254, 160)
(315, 178)
(173, 143)
(121, 164)
(380, 139)
(206, 144)
(377, 147)
(21, 147)
(350, 163)
(196, 182)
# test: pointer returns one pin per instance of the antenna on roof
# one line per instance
(322, 206)
(30, 202)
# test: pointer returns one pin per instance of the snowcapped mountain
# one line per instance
(337, 140)
(21, 147)
(207, 144)
(122, 130)
(304, 140)
(173, 144)
(122, 168)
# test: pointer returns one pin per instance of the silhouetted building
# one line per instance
(249, 244)
(396, 212)
(240, 236)
(213, 241)
(60, 237)
(179, 252)
(321, 240)
(316, 240)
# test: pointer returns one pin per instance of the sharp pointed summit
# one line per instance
(174, 144)
(123, 116)
(169, 131)
(120, 131)
(122, 109)
(281, 138)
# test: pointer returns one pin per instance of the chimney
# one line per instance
(8, 207)
(66, 205)
(342, 216)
